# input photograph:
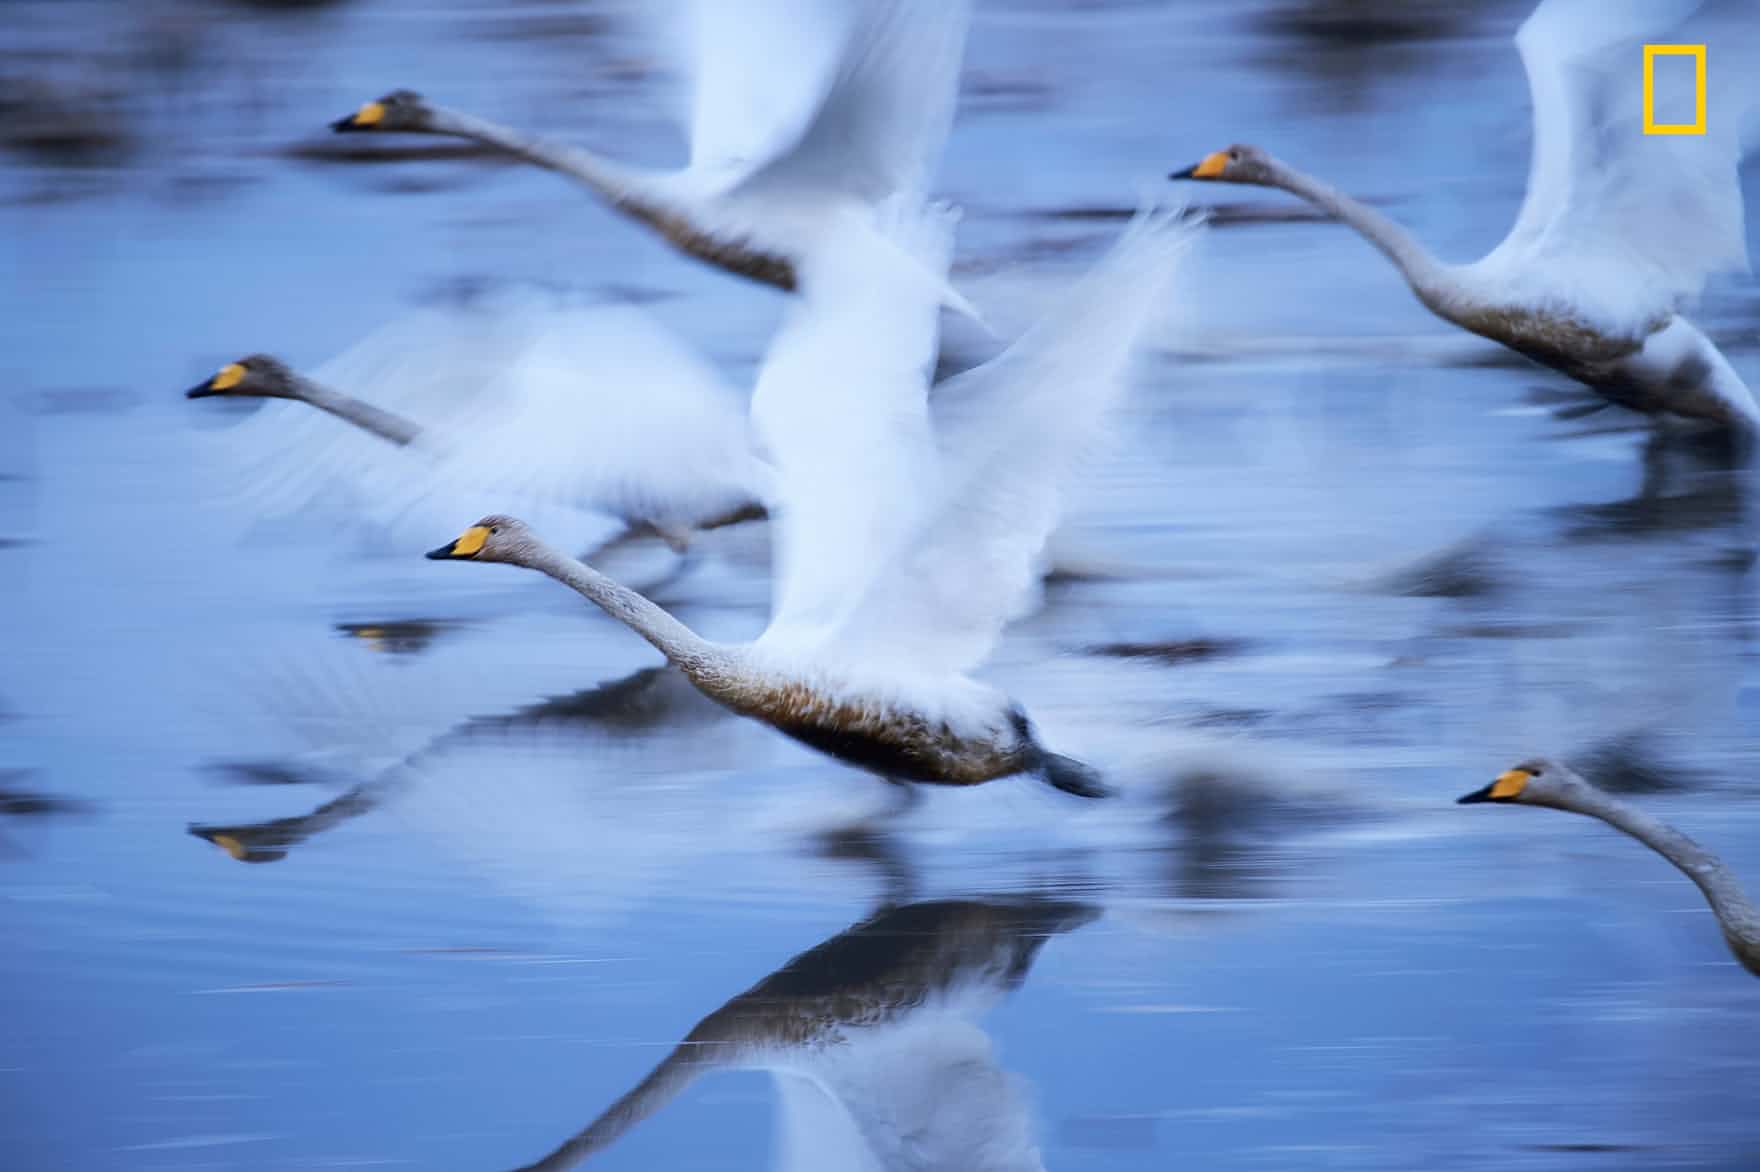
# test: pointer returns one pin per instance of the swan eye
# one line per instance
(494, 529)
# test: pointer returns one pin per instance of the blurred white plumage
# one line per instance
(522, 398)
(803, 116)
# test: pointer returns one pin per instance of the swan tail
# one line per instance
(1073, 777)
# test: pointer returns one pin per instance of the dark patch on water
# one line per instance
(79, 401)
(397, 636)
(1173, 652)
(1466, 571)
(17, 801)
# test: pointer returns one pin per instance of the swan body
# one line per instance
(1619, 229)
(1540, 782)
(958, 732)
(804, 114)
(594, 407)
(905, 534)
(873, 1038)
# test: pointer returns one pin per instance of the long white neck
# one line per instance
(390, 427)
(624, 186)
(1427, 276)
(706, 663)
(1729, 903)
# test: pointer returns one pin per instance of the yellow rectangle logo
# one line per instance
(1651, 53)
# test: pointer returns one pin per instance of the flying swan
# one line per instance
(805, 117)
(596, 407)
(1619, 228)
(905, 530)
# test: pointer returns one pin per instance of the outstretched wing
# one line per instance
(289, 459)
(523, 399)
(1636, 222)
(883, 122)
(606, 408)
(849, 96)
(751, 75)
(1009, 434)
(841, 412)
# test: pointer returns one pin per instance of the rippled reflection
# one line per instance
(874, 1042)
(641, 703)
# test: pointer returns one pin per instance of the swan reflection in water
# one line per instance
(874, 1042)
(635, 705)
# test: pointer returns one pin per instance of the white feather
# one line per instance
(908, 528)
(1617, 225)
(526, 399)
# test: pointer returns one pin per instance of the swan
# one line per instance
(907, 531)
(804, 114)
(727, 492)
(870, 1034)
(538, 398)
(1618, 228)
(1540, 782)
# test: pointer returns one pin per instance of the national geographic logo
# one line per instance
(1697, 125)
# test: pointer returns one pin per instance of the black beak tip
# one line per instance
(1473, 798)
(200, 391)
(344, 125)
(1185, 173)
(441, 554)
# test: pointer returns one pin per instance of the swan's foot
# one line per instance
(1072, 777)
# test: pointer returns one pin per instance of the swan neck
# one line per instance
(390, 427)
(615, 182)
(663, 1084)
(1422, 271)
(1736, 914)
(704, 662)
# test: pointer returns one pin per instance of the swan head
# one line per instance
(258, 376)
(402, 110)
(493, 539)
(1239, 163)
(1535, 782)
(240, 843)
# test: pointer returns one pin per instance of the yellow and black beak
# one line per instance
(229, 377)
(467, 545)
(368, 117)
(1211, 167)
(1507, 788)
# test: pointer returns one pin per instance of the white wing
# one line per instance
(1009, 433)
(759, 70)
(884, 120)
(852, 96)
(1634, 222)
(841, 412)
(525, 400)
(923, 1095)
(605, 408)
